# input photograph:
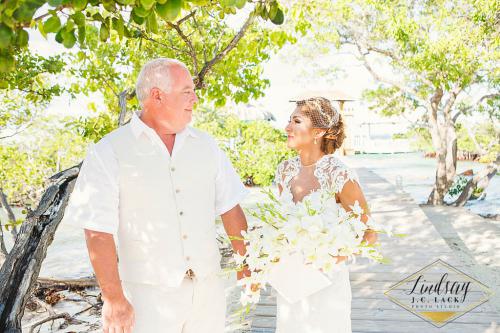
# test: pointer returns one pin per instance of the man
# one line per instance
(155, 185)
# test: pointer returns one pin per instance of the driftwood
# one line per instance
(20, 270)
(64, 315)
(67, 284)
(10, 213)
(480, 180)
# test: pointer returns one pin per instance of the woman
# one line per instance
(316, 130)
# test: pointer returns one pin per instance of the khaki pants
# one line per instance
(196, 306)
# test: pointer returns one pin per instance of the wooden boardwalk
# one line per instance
(372, 310)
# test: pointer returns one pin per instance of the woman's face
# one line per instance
(300, 131)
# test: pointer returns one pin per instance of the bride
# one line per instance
(315, 130)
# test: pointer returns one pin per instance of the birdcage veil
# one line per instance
(321, 112)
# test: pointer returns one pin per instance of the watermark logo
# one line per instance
(439, 293)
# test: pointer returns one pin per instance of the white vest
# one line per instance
(166, 208)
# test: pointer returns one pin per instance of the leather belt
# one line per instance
(190, 273)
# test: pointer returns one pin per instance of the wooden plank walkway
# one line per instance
(372, 310)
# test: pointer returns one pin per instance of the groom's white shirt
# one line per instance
(160, 208)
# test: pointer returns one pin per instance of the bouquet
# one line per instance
(317, 227)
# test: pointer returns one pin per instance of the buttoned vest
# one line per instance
(166, 208)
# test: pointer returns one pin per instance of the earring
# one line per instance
(315, 142)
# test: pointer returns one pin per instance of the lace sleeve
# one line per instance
(333, 174)
(342, 176)
(278, 176)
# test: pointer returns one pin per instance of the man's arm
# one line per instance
(102, 254)
(234, 222)
(117, 312)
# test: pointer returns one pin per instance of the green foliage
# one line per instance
(70, 19)
(113, 66)
(94, 128)
(255, 148)
(49, 147)
(458, 185)
(421, 139)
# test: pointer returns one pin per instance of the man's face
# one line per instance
(176, 106)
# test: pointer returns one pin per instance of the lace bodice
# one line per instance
(332, 174)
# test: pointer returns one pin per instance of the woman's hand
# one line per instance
(340, 259)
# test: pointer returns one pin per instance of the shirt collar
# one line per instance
(139, 127)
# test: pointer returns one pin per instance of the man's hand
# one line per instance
(234, 222)
(117, 315)
(243, 273)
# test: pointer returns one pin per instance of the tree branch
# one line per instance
(232, 44)
(188, 43)
(185, 18)
(381, 78)
(449, 104)
(468, 108)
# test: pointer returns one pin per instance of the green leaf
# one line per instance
(59, 37)
(40, 28)
(69, 38)
(136, 18)
(52, 24)
(141, 12)
(151, 23)
(6, 63)
(81, 34)
(279, 18)
(22, 38)
(273, 9)
(79, 5)
(147, 4)
(27, 9)
(172, 10)
(119, 26)
(6, 35)
(109, 5)
(240, 3)
(103, 33)
(78, 18)
(55, 3)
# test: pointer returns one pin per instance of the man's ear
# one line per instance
(155, 94)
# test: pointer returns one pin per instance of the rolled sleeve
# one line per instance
(230, 191)
(93, 204)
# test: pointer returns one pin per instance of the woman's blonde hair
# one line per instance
(323, 115)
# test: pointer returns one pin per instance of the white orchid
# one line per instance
(318, 227)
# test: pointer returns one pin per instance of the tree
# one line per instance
(27, 91)
(438, 52)
(70, 19)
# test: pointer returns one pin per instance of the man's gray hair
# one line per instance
(155, 73)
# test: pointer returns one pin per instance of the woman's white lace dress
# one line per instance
(329, 310)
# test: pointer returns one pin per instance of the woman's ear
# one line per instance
(318, 134)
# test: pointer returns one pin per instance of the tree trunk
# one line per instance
(451, 155)
(446, 157)
(19, 273)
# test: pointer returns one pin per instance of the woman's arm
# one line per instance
(350, 193)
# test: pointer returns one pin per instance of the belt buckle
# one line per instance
(190, 273)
